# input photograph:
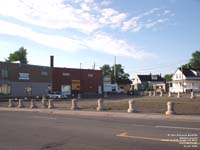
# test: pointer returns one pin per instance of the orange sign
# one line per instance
(75, 84)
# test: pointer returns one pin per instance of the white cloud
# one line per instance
(63, 43)
(146, 20)
(116, 47)
(100, 42)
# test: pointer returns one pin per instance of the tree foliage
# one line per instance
(19, 55)
(194, 61)
(120, 78)
(168, 77)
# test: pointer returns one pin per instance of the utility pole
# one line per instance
(115, 70)
(80, 65)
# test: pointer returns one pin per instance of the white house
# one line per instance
(185, 80)
(145, 82)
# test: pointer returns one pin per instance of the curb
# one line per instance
(108, 114)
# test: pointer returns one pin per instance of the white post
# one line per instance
(169, 94)
(154, 93)
(170, 108)
(20, 103)
(161, 93)
(105, 94)
(131, 106)
(44, 102)
(100, 104)
(74, 104)
(150, 93)
(50, 104)
(11, 103)
(33, 105)
(178, 95)
(192, 96)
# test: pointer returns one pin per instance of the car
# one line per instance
(58, 95)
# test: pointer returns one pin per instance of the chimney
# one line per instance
(51, 61)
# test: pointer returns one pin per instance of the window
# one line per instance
(44, 73)
(65, 74)
(176, 76)
(5, 89)
(28, 90)
(4, 73)
(90, 75)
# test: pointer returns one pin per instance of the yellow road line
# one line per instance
(125, 135)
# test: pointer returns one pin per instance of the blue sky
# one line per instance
(146, 36)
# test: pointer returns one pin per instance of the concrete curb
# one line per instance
(189, 118)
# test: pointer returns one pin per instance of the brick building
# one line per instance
(75, 81)
(24, 80)
(20, 80)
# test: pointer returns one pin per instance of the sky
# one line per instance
(146, 36)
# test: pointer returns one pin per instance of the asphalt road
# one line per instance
(38, 131)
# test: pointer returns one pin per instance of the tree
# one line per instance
(120, 78)
(106, 69)
(19, 55)
(194, 61)
(168, 77)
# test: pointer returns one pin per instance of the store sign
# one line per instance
(75, 84)
(24, 76)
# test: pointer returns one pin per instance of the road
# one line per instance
(39, 131)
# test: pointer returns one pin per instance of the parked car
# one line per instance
(58, 95)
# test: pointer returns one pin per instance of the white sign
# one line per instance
(24, 76)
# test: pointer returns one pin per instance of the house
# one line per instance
(185, 80)
(146, 82)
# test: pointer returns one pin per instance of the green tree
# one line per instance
(19, 55)
(106, 70)
(195, 60)
(120, 78)
(168, 77)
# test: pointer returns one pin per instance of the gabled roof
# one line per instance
(190, 72)
(145, 78)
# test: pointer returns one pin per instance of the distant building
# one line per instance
(77, 81)
(185, 79)
(18, 80)
(24, 80)
(148, 82)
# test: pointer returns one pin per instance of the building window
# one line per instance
(90, 75)
(176, 76)
(28, 90)
(5, 89)
(65, 74)
(4, 73)
(44, 73)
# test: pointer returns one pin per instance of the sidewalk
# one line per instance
(187, 118)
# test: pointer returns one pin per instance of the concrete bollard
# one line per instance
(74, 104)
(50, 104)
(131, 106)
(11, 103)
(33, 105)
(154, 93)
(192, 96)
(100, 105)
(105, 94)
(20, 103)
(44, 102)
(178, 95)
(161, 93)
(79, 96)
(169, 94)
(150, 94)
(170, 108)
